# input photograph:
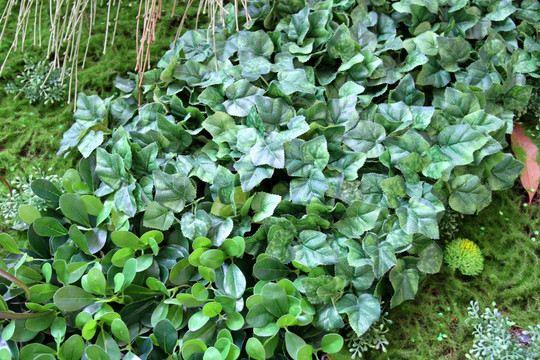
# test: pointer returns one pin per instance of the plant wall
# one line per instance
(275, 185)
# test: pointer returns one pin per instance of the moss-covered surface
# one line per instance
(505, 231)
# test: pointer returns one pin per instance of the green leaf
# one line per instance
(173, 191)
(28, 213)
(255, 349)
(46, 190)
(234, 321)
(166, 335)
(468, 195)
(32, 351)
(359, 218)
(274, 299)
(234, 282)
(73, 208)
(158, 217)
(9, 244)
(72, 298)
(212, 354)
(47, 226)
(72, 348)
(430, 259)
(268, 269)
(314, 250)
(293, 343)
(126, 239)
(212, 258)
(362, 311)
(331, 343)
(120, 330)
(405, 283)
(258, 316)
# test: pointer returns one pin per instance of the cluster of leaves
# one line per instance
(275, 185)
(22, 194)
(465, 256)
(449, 225)
(494, 339)
(374, 339)
(39, 83)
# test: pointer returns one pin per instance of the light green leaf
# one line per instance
(264, 205)
(359, 218)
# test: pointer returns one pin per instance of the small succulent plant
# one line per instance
(495, 337)
(38, 83)
(465, 256)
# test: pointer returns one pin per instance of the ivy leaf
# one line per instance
(452, 52)
(110, 168)
(419, 216)
(173, 191)
(250, 174)
(359, 218)
(381, 253)
(314, 186)
(431, 258)
(271, 154)
(405, 283)
(459, 142)
(468, 195)
(362, 311)
(406, 92)
(264, 205)
(158, 217)
(314, 250)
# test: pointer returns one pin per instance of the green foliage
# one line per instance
(271, 188)
(39, 83)
(465, 256)
(449, 225)
(495, 336)
(373, 339)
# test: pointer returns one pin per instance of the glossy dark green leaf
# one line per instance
(166, 336)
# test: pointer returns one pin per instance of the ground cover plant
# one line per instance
(274, 186)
